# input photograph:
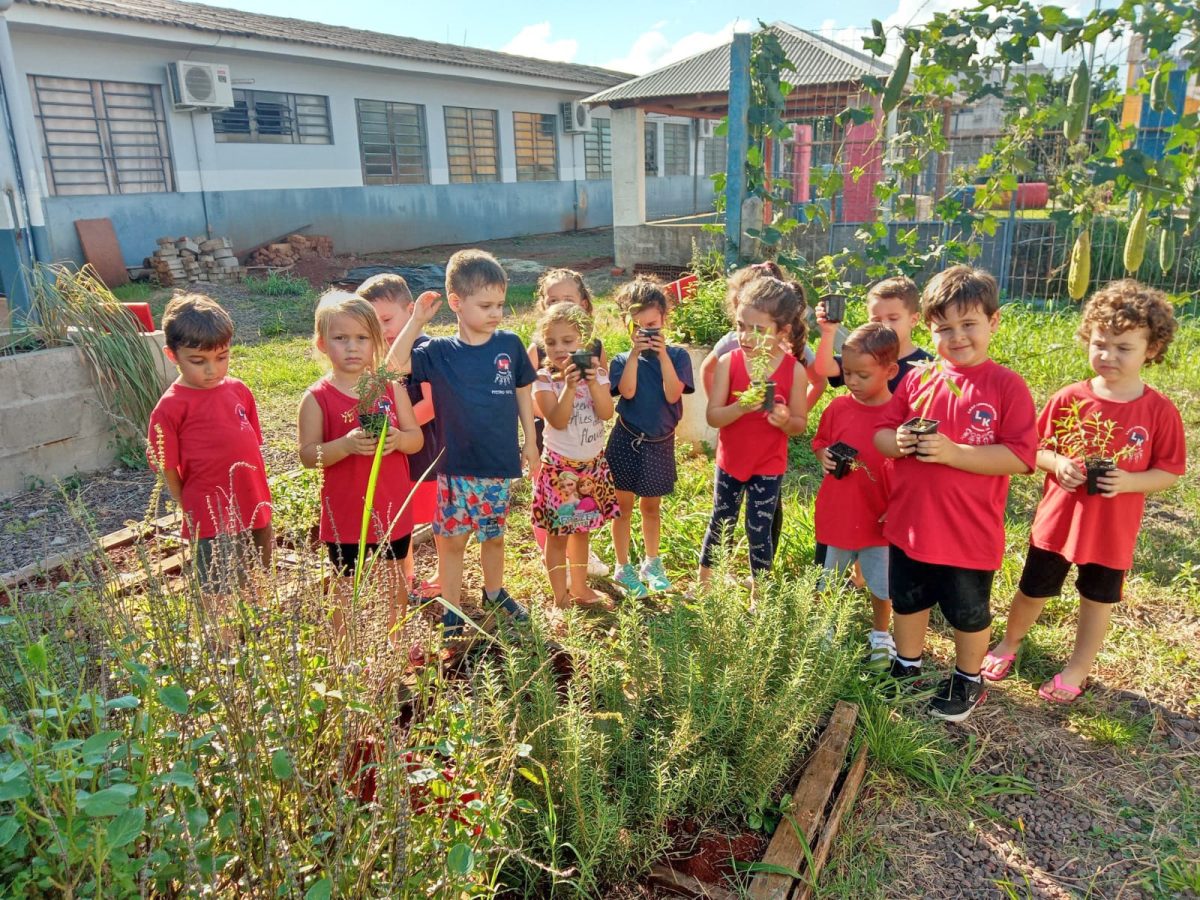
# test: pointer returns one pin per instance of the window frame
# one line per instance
(672, 133)
(100, 102)
(472, 120)
(650, 142)
(597, 147)
(539, 126)
(297, 110)
(390, 111)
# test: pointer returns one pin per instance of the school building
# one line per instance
(174, 118)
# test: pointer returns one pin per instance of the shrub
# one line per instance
(702, 319)
(699, 713)
(278, 284)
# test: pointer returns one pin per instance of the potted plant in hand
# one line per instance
(760, 395)
(843, 456)
(372, 389)
(933, 377)
(1087, 437)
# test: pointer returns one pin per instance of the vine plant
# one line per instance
(961, 57)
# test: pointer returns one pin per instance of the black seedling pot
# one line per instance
(1095, 466)
(582, 360)
(768, 403)
(649, 333)
(919, 426)
(835, 307)
(372, 423)
(843, 455)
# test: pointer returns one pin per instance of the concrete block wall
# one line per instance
(54, 423)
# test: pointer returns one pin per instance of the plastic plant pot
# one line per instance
(768, 403)
(372, 423)
(649, 333)
(582, 359)
(1095, 466)
(835, 307)
(843, 455)
(920, 426)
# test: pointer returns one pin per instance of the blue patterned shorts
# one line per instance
(466, 504)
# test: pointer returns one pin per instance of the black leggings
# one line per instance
(762, 499)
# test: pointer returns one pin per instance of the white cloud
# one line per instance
(652, 49)
(534, 40)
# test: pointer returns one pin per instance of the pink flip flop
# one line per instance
(1046, 691)
(1003, 664)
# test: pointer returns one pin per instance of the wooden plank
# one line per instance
(102, 250)
(685, 885)
(245, 254)
(808, 803)
(842, 805)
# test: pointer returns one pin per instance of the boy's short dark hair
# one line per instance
(1121, 305)
(640, 294)
(898, 286)
(875, 340)
(196, 322)
(471, 271)
(385, 286)
(961, 288)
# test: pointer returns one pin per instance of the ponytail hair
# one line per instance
(784, 302)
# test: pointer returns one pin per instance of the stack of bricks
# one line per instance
(184, 260)
(285, 253)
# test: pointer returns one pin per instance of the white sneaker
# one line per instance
(597, 566)
(883, 648)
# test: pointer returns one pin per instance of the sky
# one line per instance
(627, 35)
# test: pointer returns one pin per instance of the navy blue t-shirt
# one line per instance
(475, 395)
(905, 363)
(648, 412)
(432, 430)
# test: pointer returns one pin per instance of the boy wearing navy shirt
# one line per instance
(481, 380)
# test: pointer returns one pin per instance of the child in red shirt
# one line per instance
(205, 439)
(1126, 326)
(852, 499)
(945, 520)
(752, 441)
(347, 331)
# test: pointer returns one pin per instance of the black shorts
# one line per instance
(964, 595)
(344, 557)
(1045, 571)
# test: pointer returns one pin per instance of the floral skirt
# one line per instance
(572, 496)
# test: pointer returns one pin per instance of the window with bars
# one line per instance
(597, 149)
(270, 117)
(675, 149)
(535, 139)
(715, 151)
(102, 137)
(392, 142)
(651, 134)
(472, 146)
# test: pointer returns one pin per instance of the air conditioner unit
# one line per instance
(706, 128)
(577, 118)
(199, 85)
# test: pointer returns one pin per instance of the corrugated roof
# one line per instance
(818, 60)
(212, 19)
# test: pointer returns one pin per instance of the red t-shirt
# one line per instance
(344, 488)
(942, 515)
(212, 437)
(1096, 529)
(752, 445)
(849, 509)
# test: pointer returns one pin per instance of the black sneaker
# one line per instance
(956, 697)
(899, 679)
(515, 610)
